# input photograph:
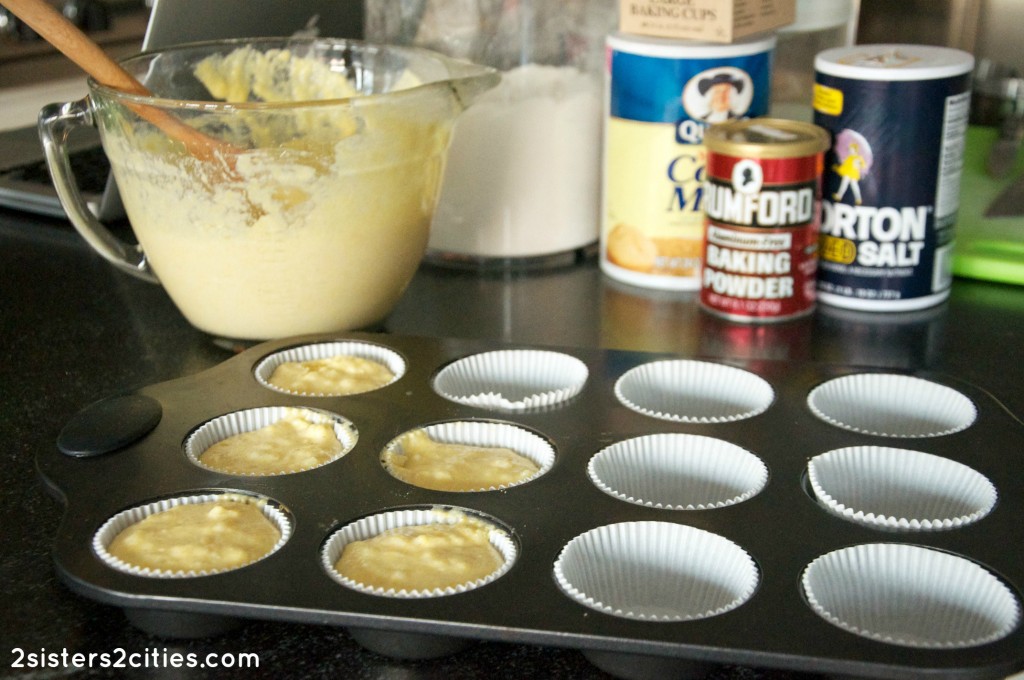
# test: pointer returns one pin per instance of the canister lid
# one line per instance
(894, 62)
(766, 138)
(675, 48)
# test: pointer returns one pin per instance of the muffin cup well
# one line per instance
(656, 571)
(678, 472)
(512, 380)
(899, 489)
(484, 434)
(228, 425)
(105, 535)
(323, 350)
(688, 391)
(892, 405)
(374, 525)
(910, 596)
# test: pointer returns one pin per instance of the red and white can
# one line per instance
(762, 199)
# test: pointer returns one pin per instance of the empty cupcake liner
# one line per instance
(105, 535)
(910, 596)
(371, 526)
(228, 425)
(678, 472)
(689, 391)
(490, 434)
(323, 350)
(656, 571)
(892, 405)
(513, 380)
(900, 489)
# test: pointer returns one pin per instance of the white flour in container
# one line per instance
(523, 170)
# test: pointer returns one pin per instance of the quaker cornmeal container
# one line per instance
(898, 117)
(662, 96)
(762, 199)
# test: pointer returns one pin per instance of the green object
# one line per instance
(989, 248)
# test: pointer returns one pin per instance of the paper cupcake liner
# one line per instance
(678, 472)
(656, 571)
(690, 391)
(513, 380)
(228, 425)
(323, 350)
(373, 525)
(490, 434)
(910, 596)
(105, 535)
(892, 405)
(900, 489)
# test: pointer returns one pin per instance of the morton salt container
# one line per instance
(898, 117)
(762, 199)
(662, 96)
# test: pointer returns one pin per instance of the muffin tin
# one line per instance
(714, 550)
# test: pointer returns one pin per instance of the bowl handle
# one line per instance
(55, 124)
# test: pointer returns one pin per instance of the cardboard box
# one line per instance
(720, 21)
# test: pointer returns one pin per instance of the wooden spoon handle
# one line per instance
(74, 44)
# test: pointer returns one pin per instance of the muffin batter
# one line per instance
(422, 557)
(323, 218)
(210, 536)
(338, 375)
(291, 444)
(423, 462)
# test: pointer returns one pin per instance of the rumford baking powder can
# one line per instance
(763, 202)
(662, 96)
(898, 118)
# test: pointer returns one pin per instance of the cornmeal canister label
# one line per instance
(662, 97)
(763, 203)
(898, 117)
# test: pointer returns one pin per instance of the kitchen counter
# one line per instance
(76, 330)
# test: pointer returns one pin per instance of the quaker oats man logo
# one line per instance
(747, 177)
(718, 94)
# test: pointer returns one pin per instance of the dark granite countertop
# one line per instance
(76, 330)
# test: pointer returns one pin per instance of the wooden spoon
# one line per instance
(66, 37)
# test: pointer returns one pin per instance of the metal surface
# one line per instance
(782, 527)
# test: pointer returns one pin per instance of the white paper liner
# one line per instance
(900, 489)
(490, 434)
(910, 596)
(656, 571)
(230, 424)
(513, 380)
(105, 535)
(689, 391)
(371, 526)
(892, 405)
(678, 472)
(323, 350)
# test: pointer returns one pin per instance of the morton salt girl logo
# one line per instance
(868, 236)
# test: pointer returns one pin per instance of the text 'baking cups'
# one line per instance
(688, 391)
(191, 536)
(512, 380)
(899, 489)
(678, 472)
(892, 405)
(330, 369)
(656, 571)
(910, 596)
(468, 456)
(274, 440)
(419, 553)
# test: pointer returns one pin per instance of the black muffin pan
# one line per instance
(127, 450)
